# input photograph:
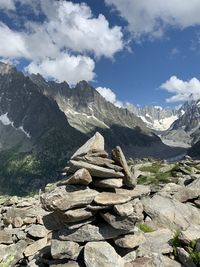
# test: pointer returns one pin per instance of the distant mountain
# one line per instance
(43, 122)
(87, 111)
(187, 127)
(155, 117)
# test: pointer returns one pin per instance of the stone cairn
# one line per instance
(93, 208)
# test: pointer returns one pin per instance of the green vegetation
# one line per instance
(176, 242)
(154, 175)
(190, 248)
(7, 262)
(26, 173)
(154, 168)
(145, 228)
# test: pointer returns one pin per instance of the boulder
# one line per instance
(5, 238)
(186, 194)
(170, 212)
(184, 258)
(190, 234)
(120, 222)
(37, 230)
(125, 209)
(64, 249)
(130, 240)
(76, 215)
(91, 232)
(129, 179)
(156, 242)
(101, 254)
(82, 176)
(65, 198)
(93, 145)
(35, 247)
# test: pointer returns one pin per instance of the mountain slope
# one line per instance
(42, 123)
(187, 127)
(33, 124)
(156, 118)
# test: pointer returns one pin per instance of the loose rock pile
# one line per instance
(97, 216)
(94, 202)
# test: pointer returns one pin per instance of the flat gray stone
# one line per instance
(125, 209)
(186, 194)
(60, 199)
(138, 191)
(37, 230)
(5, 238)
(130, 240)
(156, 242)
(94, 170)
(119, 222)
(77, 215)
(97, 161)
(64, 249)
(90, 232)
(82, 176)
(101, 254)
(184, 257)
(142, 262)
(190, 234)
(35, 247)
(108, 183)
(169, 262)
(170, 212)
(118, 156)
(93, 145)
(106, 198)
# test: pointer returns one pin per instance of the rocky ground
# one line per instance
(97, 216)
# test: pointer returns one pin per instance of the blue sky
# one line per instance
(141, 52)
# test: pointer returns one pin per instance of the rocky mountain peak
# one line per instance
(6, 68)
(82, 85)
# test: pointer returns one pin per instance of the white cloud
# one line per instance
(109, 95)
(12, 43)
(152, 17)
(182, 90)
(66, 68)
(7, 4)
(70, 36)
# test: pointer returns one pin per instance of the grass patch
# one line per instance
(145, 228)
(156, 179)
(154, 168)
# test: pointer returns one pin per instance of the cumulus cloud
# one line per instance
(69, 36)
(12, 43)
(109, 95)
(7, 4)
(152, 17)
(65, 68)
(182, 90)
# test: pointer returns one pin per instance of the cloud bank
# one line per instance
(152, 18)
(65, 44)
(182, 90)
(110, 96)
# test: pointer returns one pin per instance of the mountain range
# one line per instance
(43, 122)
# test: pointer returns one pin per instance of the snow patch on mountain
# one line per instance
(160, 125)
(6, 121)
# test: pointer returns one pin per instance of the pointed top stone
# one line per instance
(94, 144)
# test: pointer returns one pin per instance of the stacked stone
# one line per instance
(94, 207)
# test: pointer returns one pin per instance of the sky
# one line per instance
(131, 51)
